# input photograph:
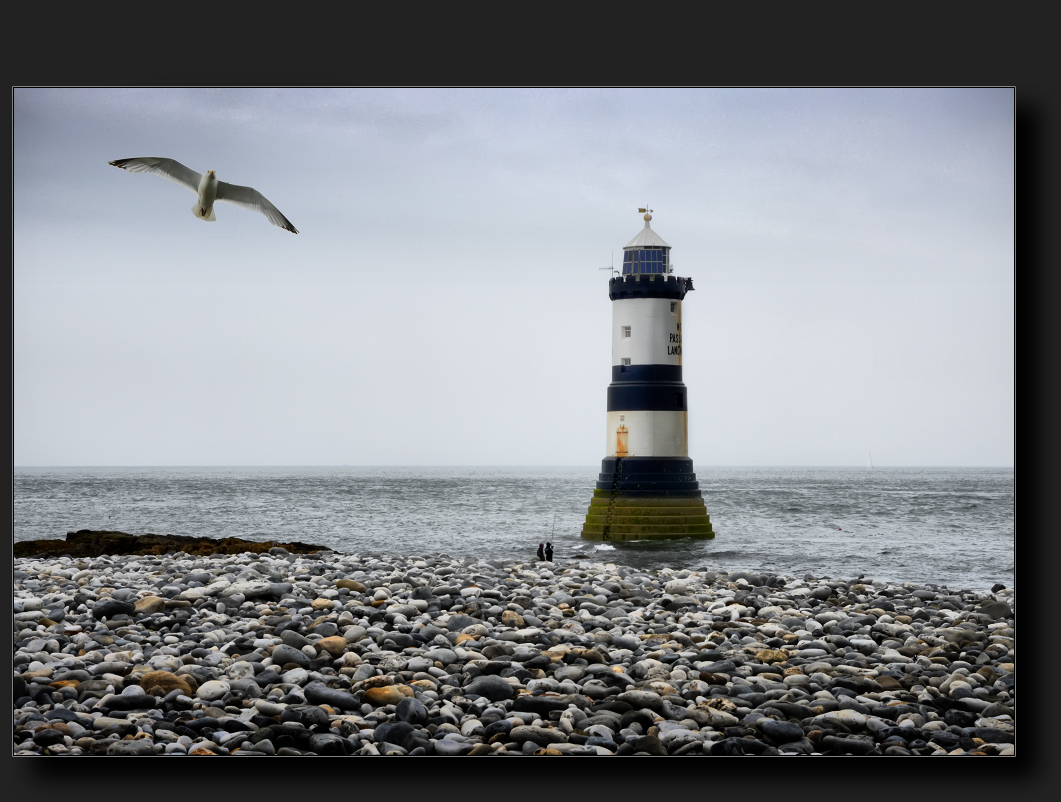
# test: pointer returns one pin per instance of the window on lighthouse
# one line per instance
(626, 332)
(650, 259)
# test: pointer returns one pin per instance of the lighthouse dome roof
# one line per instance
(646, 238)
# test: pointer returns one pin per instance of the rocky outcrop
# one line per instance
(97, 543)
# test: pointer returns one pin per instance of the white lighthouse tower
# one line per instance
(647, 488)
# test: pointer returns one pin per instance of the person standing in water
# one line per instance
(541, 552)
(549, 552)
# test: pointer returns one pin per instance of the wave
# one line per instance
(904, 524)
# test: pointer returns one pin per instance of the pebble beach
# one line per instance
(276, 653)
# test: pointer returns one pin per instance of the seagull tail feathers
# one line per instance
(205, 215)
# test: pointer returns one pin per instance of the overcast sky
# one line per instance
(852, 251)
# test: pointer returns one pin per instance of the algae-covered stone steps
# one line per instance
(614, 517)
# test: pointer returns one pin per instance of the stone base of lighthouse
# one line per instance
(647, 498)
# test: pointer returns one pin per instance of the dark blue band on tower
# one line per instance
(629, 396)
(648, 476)
(649, 287)
(646, 373)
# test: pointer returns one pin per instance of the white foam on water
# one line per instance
(604, 547)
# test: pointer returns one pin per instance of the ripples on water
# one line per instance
(951, 526)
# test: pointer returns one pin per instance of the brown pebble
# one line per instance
(771, 656)
(168, 681)
(378, 682)
(149, 605)
(389, 695)
(334, 646)
(510, 618)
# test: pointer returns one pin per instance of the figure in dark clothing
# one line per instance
(549, 552)
(541, 552)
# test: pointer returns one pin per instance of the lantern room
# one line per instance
(646, 253)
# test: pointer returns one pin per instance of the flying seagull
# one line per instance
(207, 188)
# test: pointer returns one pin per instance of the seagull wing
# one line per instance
(167, 168)
(250, 198)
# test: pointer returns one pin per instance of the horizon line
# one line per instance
(501, 465)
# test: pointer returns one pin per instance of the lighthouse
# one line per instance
(647, 489)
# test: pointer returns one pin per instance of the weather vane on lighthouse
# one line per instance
(647, 489)
(648, 216)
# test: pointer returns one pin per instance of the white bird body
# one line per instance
(207, 189)
(207, 194)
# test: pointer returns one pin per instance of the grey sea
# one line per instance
(951, 527)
